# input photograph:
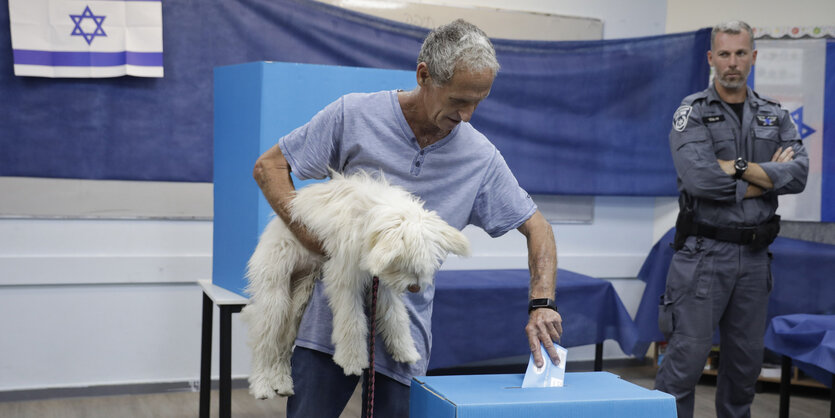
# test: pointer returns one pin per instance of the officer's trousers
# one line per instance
(709, 284)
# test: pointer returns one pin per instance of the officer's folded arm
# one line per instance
(753, 191)
(755, 174)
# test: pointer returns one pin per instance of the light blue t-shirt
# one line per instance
(462, 177)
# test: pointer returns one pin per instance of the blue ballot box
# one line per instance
(588, 395)
(255, 104)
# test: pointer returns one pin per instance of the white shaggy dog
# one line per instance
(367, 228)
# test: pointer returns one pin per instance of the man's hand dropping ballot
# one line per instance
(550, 374)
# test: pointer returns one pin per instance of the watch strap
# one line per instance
(740, 171)
(542, 303)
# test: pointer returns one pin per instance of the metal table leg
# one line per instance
(832, 398)
(225, 395)
(785, 386)
(206, 357)
(598, 357)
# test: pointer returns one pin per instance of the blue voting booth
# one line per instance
(255, 104)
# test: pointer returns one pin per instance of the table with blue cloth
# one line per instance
(480, 315)
(809, 341)
(802, 283)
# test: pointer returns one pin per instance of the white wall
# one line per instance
(94, 302)
(621, 19)
(104, 302)
(683, 16)
(100, 302)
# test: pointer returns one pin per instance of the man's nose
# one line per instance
(466, 113)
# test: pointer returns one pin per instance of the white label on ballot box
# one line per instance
(550, 374)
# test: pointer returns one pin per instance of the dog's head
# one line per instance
(406, 246)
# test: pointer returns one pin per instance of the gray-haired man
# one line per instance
(734, 152)
(421, 140)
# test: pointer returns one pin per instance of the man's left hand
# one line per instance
(545, 327)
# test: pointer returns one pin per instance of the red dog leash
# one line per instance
(369, 390)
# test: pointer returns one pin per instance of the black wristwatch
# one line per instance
(740, 165)
(542, 303)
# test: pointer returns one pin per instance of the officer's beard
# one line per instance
(728, 84)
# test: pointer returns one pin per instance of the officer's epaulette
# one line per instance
(689, 100)
(766, 98)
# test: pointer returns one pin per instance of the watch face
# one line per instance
(740, 164)
(541, 303)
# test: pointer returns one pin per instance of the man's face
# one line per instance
(448, 105)
(731, 59)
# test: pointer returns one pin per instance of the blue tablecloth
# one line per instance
(808, 339)
(481, 314)
(802, 273)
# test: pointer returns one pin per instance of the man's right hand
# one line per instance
(783, 155)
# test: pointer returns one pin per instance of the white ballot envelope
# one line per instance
(550, 374)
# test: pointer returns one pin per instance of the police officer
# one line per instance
(734, 151)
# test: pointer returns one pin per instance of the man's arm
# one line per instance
(272, 173)
(695, 159)
(788, 169)
(789, 177)
(544, 325)
(755, 173)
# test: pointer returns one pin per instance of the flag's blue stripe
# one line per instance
(87, 59)
(828, 158)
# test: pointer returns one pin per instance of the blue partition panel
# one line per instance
(255, 104)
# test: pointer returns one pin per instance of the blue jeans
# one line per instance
(323, 390)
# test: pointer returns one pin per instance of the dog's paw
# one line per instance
(284, 386)
(354, 369)
(260, 389)
(406, 354)
(351, 363)
(402, 348)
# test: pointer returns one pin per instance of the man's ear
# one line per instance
(422, 75)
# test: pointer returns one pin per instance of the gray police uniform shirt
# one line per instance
(463, 177)
(706, 129)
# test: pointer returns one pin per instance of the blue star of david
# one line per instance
(803, 129)
(79, 31)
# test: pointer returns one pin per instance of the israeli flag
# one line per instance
(795, 72)
(92, 38)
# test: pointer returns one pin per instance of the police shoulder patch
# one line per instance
(681, 117)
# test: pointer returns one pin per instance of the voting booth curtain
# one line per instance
(584, 117)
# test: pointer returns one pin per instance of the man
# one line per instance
(734, 151)
(422, 141)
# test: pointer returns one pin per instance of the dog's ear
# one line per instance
(455, 241)
(378, 255)
(383, 242)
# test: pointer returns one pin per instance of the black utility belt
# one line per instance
(761, 234)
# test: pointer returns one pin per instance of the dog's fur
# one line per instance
(367, 228)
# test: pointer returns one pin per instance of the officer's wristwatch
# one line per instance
(542, 303)
(740, 165)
